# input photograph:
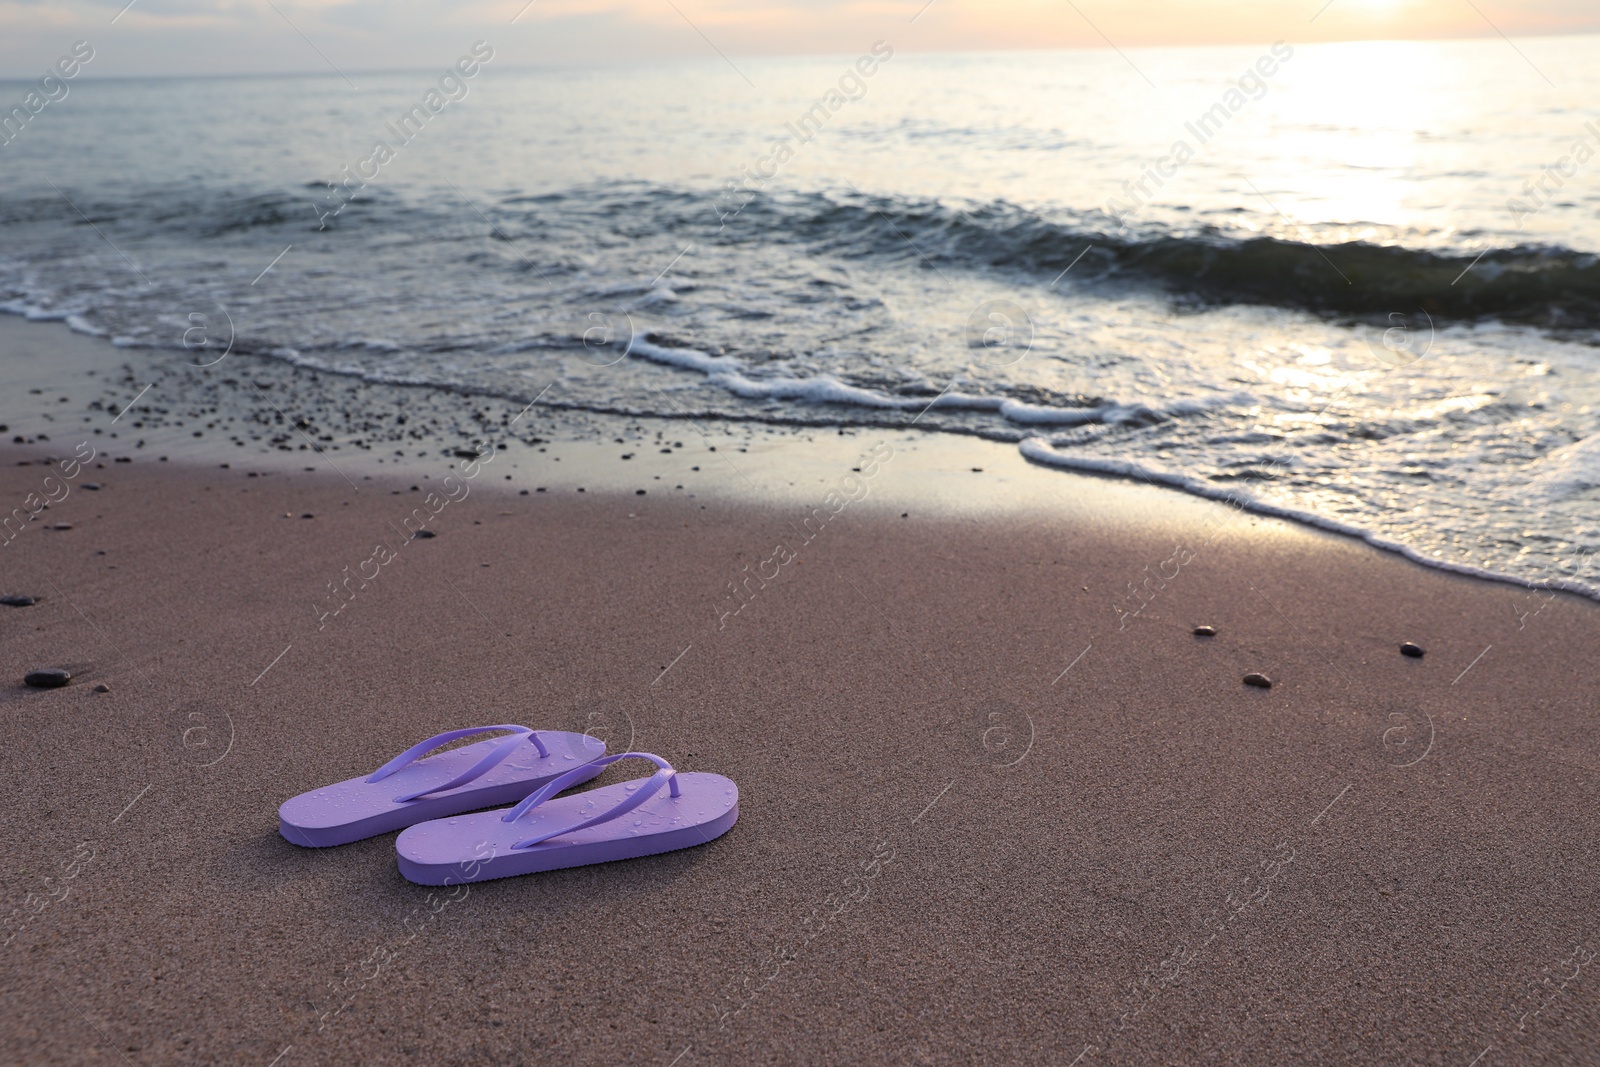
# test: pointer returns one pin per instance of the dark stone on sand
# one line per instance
(424, 534)
(52, 678)
(308, 515)
(17, 600)
(102, 688)
(1260, 681)
(91, 486)
(61, 526)
(638, 492)
(1205, 631)
(1409, 649)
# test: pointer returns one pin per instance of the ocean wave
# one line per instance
(1552, 287)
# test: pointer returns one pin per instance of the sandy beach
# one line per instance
(998, 802)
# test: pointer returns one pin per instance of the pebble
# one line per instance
(308, 515)
(1414, 651)
(53, 678)
(92, 486)
(62, 526)
(102, 688)
(1260, 681)
(1205, 631)
(425, 534)
(18, 601)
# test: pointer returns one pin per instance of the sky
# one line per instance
(178, 37)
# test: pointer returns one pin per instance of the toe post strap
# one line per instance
(664, 776)
(497, 754)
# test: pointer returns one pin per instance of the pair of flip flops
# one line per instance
(429, 798)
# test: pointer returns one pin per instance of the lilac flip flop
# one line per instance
(409, 789)
(614, 822)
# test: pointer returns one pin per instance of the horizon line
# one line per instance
(634, 61)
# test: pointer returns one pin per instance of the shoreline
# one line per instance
(453, 417)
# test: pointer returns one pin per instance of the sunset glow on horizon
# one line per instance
(205, 36)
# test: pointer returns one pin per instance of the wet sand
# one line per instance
(988, 813)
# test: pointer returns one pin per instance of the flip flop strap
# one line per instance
(493, 758)
(665, 776)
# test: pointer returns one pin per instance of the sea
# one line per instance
(1354, 284)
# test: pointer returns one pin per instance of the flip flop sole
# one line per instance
(356, 809)
(478, 847)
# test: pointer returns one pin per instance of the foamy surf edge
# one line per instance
(1038, 450)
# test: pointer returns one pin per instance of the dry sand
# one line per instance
(984, 817)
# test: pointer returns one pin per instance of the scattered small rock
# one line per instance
(1260, 681)
(91, 486)
(52, 678)
(1205, 631)
(308, 515)
(638, 492)
(102, 688)
(61, 526)
(424, 534)
(17, 600)
(977, 470)
(1414, 651)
